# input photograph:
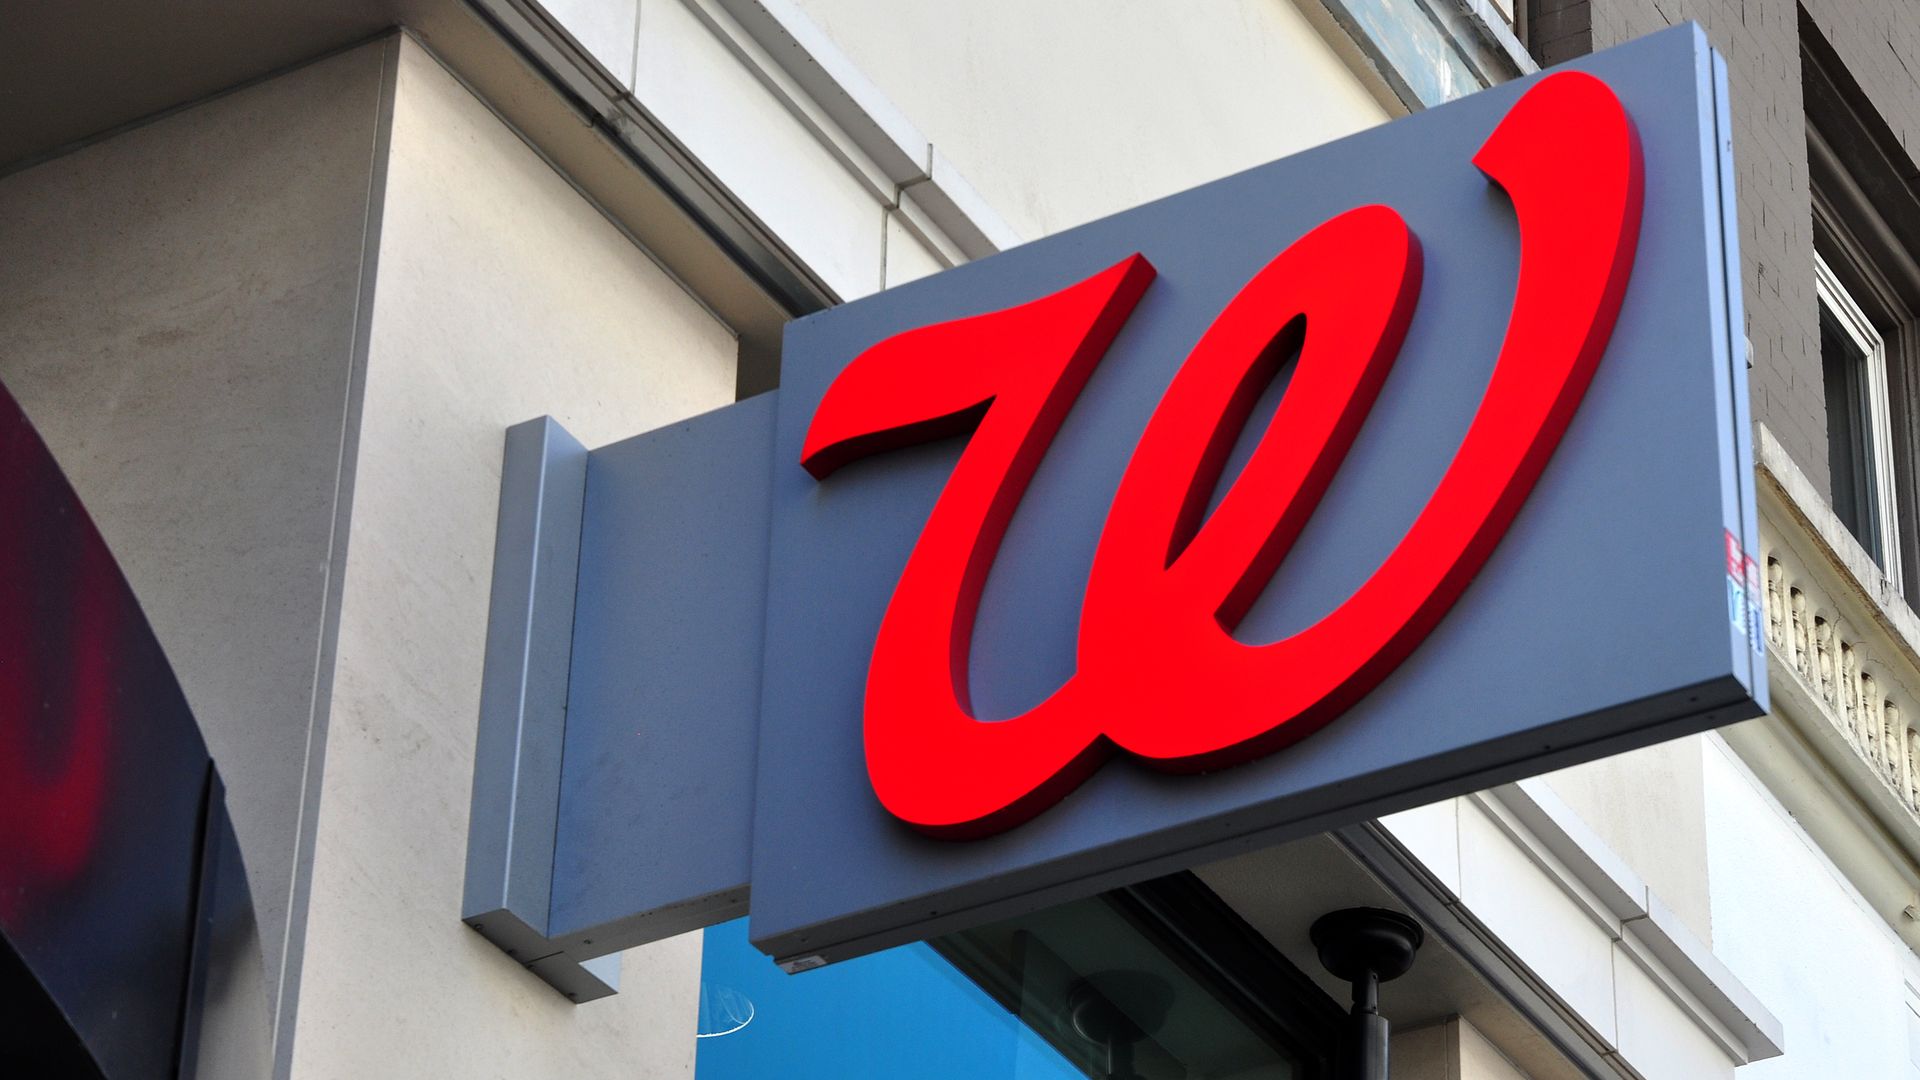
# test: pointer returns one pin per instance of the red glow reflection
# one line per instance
(61, 611)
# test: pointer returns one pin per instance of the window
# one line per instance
(1866, 229)
(1853, 363)
(1158, 981)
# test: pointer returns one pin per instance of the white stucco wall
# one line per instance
(1065, 111)
(501, 295)
(1804, 940)
(1054, 113)
(1649, 806)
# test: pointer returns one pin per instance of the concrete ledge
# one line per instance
(1654, 935)
(874, 124)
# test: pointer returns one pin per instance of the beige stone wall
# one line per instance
(501, 294)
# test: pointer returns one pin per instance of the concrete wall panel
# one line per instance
(1658, 1040)
(501, 295)
(177, 316)
(1062, 112)
(1537, 920)
(1649, 806)
(1450, 1050)
(738, 129)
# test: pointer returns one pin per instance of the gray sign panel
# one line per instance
(1600, 622)
(711, 563)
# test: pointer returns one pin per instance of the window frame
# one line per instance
(1852, 319)
(1866, 229)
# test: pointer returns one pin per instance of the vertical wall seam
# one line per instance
(306, 822)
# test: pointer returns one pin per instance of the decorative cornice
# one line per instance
(1844, 645)
(1840, 750)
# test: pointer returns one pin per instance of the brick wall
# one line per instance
(1559, 30)
(1879, 42)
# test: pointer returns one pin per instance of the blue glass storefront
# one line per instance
(905, 1012)
(1160, 981)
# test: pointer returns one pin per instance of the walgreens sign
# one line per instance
(1326, 489)
(1158, 674)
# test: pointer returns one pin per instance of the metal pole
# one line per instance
(1366, 947)
(1368, 1039)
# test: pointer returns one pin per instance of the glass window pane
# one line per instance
(901, 1013)
(1094, 988)
(1850, 460)
(1114, 999)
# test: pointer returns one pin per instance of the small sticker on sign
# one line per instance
(1743, 591)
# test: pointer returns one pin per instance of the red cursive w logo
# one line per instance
(1159, 674)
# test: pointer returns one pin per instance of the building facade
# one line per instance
(278, 278)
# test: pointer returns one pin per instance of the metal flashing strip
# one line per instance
(868, 119)
(729, 223)
(611, 568)
(824, 91)
(655, 825)
(841, 89)
(523, 706)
